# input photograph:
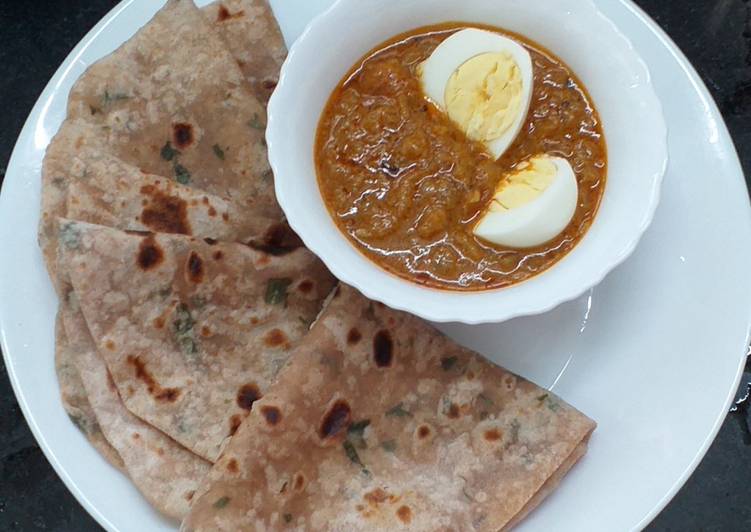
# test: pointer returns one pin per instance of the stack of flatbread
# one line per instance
(214, 360)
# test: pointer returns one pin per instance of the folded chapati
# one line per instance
(164, 471)
(83, 180)
(192, 331)
(60, 163)
(252, 35)
(74, 398)
(379, 422)
(172, 102)
(103, 189)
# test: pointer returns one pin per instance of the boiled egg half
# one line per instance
(532, 205)
(483, 82)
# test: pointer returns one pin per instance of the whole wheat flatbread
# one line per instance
(252, 35)
(379, 422)
(172, 102)
(164, 471)
(60, 163)
(84, 181)
(75, 400)
(192, 331)
(105, 190)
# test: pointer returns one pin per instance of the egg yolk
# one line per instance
(525, 185)
(484, 95)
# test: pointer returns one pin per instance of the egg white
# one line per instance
(538, 221)
(460, 48)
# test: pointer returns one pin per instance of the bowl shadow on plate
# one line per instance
(539, 347)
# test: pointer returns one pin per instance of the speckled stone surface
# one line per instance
(35, 37)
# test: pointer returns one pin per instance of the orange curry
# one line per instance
(406, 185)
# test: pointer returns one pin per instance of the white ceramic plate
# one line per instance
(654, 353)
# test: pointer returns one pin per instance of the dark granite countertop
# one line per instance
(36, 37)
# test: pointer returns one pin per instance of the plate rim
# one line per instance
(26, 130)
(706, 96)
(699, 87)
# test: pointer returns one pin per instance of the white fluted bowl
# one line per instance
(616, 77)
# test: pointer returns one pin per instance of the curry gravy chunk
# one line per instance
(411, 182)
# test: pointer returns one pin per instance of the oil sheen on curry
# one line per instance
(461, 157)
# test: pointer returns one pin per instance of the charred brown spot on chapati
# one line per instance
(299, 482)
(376, 497)
(182, 135)
(232, 466)
(449, 408)
(383, 349)
(404, 514)
(423, 431)
(211, 241)
(189, 495)
(338, 418)
(275, 338)
(247, 395)
(169, 395)
(224, 14)
(109, 344)
(150, 255)
(218, 255)
(212, 211)
(306, 286)
(272, 414)
(164, 213)
(508, 381)
(448, 363)
(278, 240)
(269, 84)
(493, 435)
(194, 268)
(353, 336)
